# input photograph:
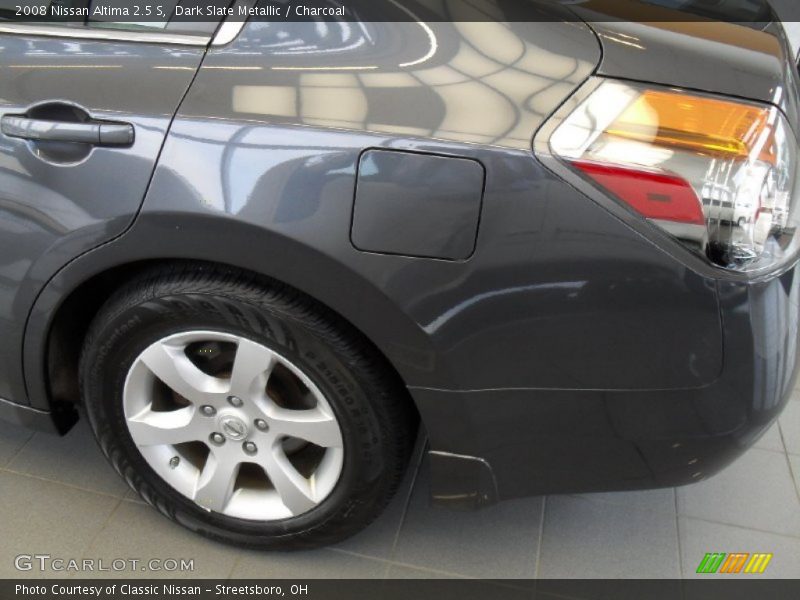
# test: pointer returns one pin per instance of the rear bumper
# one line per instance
(498, 444)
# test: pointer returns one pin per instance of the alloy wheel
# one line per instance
(233, 425)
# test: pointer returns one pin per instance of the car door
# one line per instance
(84, 110)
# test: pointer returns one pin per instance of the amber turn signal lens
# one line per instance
(708, 126)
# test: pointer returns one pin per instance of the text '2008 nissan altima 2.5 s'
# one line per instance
(257, 254)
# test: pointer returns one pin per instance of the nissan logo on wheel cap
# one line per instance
(233, 428)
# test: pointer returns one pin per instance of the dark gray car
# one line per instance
(257, 254)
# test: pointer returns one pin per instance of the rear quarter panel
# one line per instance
(558, 294)
(259, 171)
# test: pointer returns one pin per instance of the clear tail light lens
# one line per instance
(717, 174)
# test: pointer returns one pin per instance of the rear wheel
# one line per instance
(243, 410)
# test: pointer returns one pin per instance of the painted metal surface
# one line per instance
(553, 279)
(568, 352)
(749, 62)
(60, 200)
(417, 204)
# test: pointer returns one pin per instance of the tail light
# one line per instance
(717, 174)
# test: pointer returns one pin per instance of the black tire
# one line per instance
(377, 419)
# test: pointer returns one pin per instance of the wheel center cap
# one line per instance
(233, 427)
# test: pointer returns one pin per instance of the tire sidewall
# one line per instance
(121, 338)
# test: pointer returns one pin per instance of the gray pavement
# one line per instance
(59, 497)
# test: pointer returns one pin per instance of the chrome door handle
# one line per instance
(97, 133)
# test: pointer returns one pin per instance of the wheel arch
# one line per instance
(63, 311)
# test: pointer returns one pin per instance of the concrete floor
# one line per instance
(59, 497)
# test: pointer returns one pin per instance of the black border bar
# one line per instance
(159, 11)
(742, 587)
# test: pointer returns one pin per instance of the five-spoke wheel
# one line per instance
(243, 409)
(205, 412)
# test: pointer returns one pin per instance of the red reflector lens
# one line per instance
(660, 196)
